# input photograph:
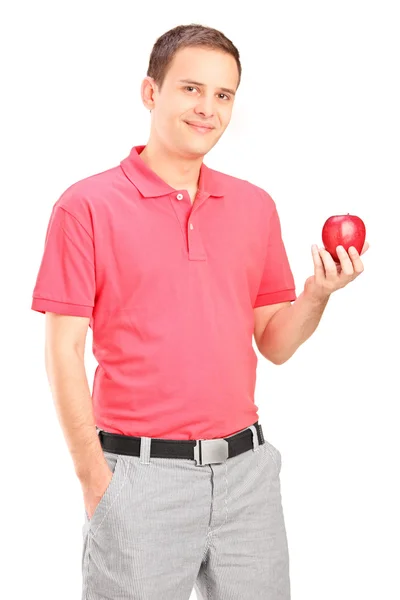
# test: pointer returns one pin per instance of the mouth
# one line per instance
(199, 128)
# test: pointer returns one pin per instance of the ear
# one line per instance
(147, 91)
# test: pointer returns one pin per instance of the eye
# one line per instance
(227, 97)
(190, 87)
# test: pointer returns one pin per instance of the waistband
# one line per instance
(202, 451)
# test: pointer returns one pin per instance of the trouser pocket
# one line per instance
(274, 453)
(119, 468)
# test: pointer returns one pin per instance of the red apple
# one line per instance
(343, 230)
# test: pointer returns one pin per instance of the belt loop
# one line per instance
(256, 443)
(145, 449)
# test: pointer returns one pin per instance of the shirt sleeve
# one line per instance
(65, 283)
(277, 283)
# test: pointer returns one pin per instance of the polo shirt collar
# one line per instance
(151, 185)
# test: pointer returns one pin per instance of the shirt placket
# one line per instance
(187, 214)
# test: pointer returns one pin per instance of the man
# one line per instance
(175, 266)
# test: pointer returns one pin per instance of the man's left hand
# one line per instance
(330, 276)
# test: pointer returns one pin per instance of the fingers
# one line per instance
(356, 260)
(365, 247)
(345, 260)
(332, 275)
(331, 268)
(319, 270)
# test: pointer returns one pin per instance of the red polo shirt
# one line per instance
(170, 289)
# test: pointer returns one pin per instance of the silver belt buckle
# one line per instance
(211, 451)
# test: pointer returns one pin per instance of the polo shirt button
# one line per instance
(180, 197)
(191, 225)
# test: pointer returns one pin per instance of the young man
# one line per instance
(175, 267)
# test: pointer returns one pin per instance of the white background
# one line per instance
(316, 124)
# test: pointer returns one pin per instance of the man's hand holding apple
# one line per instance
(330, 276)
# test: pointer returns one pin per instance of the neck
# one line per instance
(180, 172)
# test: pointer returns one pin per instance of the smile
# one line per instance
(199, 129)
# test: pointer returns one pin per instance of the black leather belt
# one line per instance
(204, 452)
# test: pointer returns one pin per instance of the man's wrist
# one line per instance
(317, 301)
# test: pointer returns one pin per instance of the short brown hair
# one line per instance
(184, 36)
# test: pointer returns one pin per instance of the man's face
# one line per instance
(182, 101)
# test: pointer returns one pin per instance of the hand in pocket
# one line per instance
(94, 489)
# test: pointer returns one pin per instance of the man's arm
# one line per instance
(64, 359)
(290, 326)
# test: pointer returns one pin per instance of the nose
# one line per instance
(205, 107)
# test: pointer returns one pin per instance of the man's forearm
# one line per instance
(289, 327)
(71, 394)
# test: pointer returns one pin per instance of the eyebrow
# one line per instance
(203, 84)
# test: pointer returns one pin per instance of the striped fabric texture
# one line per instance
(166, 526)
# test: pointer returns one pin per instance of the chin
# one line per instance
(196, 148)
